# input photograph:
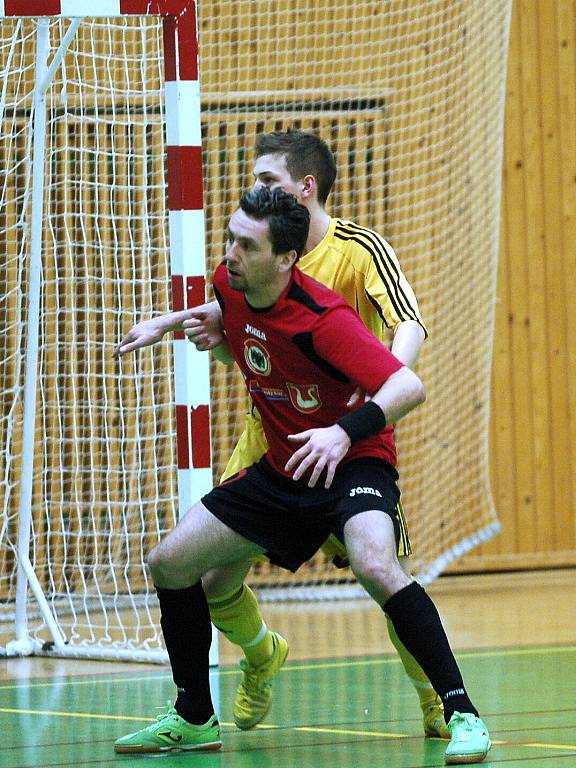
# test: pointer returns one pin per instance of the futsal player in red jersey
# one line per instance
(298, 370)
(362, 268)
(328, 469)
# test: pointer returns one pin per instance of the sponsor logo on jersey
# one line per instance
(304, 397)
(365, 490)
(257, 357)
(255, 332)
(270, 393)
(274, 394)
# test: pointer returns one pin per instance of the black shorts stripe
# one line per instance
(404, 545)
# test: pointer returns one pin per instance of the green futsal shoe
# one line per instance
(469, 741)
(254, 694)
(171, 733)
(433, 717)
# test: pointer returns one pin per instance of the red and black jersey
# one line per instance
(302, 359)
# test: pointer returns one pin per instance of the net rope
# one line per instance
(104, 485)
(410, 98)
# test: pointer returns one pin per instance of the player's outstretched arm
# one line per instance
(149, 332)
(146, 333)
(203, 327)
(323, 449)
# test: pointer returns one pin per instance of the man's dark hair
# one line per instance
(288, 221)
(305, 154)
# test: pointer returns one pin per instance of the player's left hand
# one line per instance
(322, 449)
(204, 327)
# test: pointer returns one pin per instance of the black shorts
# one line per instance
(291, 521)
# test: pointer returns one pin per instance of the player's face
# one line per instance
(271, 171)
(251, 265)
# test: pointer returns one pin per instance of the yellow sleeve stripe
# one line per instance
(386, 265)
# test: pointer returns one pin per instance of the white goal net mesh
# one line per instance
(104, 472)
(408, 94)
(410, 97)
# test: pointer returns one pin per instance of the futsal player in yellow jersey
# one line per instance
(362, 267)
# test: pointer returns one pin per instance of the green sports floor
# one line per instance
(339, 713)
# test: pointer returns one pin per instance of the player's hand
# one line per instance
(322, 449)
(358, 396)
(204, 327)
(143, 334)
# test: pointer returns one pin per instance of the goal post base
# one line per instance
(33, 647)
(25, 647)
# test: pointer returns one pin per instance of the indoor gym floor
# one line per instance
(342, 699)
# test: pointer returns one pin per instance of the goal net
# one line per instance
(409, 96)
(84, 216)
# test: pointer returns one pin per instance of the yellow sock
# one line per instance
(237, 615)
(418, 678)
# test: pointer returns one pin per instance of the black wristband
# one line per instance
(364, 422)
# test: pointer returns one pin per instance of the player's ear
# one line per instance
(309, 186)
(287, 261)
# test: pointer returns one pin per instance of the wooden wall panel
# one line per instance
(533, 428)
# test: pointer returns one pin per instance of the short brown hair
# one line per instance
(288, 221)
(305, 153)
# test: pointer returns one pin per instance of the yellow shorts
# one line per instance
(252, 446)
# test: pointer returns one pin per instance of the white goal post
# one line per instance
(102, 211)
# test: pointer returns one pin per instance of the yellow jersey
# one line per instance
(362, 267)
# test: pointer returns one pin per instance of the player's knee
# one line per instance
(223, 580)
(210, 585)
(164, 571)
(156, 563)
(373, 571)
(380, 578)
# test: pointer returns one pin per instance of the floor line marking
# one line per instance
(349, 731)
(89, 715)
(296, 667)
(303, 728)
(540, 745)
(466, 654)
(99, 681)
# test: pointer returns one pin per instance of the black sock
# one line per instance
(187, 631)
(418, 626)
